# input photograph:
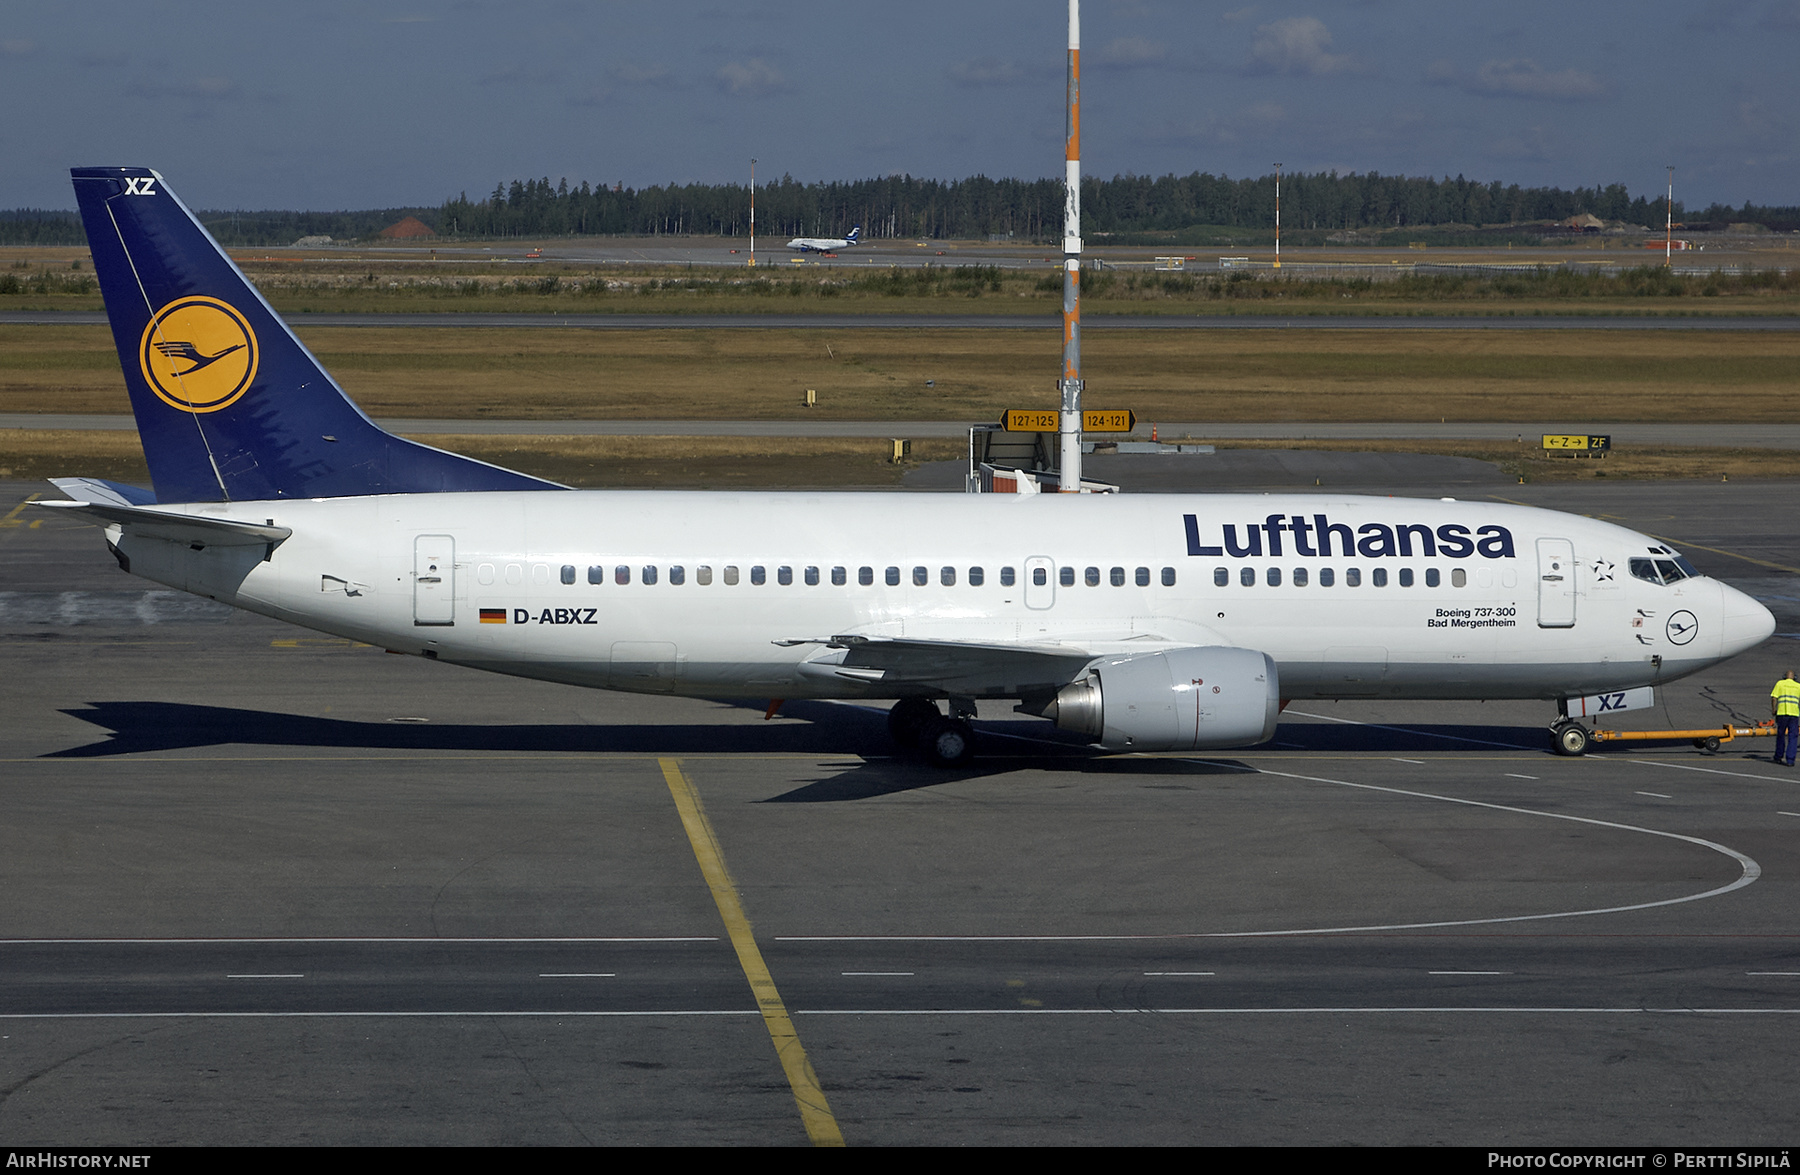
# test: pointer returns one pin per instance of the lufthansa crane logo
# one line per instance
(1681, 627)
(198, 354)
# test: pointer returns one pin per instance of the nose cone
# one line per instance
(1746, 622)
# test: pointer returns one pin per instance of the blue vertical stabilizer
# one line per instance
(230, 405)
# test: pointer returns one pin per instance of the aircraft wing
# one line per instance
(951, 666)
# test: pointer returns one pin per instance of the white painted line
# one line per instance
(875, 974)
(294, 975)
(1418, 1010)
(577, 975)
(1414, 762)
(1750, 871)
(1179, 973)
(1689, 767)
(1510, 775)
(1409, 730)
(1656, 794)
(1772, 973)
(1781, 813)
(1468, 972)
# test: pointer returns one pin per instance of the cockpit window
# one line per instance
(1662, 571)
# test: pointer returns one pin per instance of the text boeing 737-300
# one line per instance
(1152, 622)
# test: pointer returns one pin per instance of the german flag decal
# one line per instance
(493, 615)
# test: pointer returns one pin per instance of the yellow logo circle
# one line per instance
(198, 354)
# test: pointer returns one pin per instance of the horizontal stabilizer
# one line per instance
(177, 528)
(94, 489)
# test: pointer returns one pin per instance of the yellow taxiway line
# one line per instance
(815, 1114)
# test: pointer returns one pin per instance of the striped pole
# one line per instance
(1069, 431)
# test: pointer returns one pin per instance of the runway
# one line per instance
(1717, 433)
(265, 886)
(1047, 320)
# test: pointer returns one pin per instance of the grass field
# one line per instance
(824, 463)
(1235, 376)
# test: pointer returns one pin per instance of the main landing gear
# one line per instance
(945, 742)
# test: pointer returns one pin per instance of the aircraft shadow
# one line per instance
(872, 769)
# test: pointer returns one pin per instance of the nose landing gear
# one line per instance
(1569, 737)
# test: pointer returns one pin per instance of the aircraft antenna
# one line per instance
(1069, 425)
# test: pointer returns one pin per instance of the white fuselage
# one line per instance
(736, 594)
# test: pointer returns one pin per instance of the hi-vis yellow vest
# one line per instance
(1787, 698)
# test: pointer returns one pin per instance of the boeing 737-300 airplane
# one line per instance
(1143, 622)
(825, 244)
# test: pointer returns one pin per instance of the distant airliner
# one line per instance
(1140, 622)
(825, 244)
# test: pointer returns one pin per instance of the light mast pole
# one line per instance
(1278, 216)
(1069, 423)
(753, 212)
(1669, 226)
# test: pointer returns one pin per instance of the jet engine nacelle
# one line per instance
(1179, 700)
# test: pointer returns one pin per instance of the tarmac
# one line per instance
(265, 886)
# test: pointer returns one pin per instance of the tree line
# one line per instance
(977, 207)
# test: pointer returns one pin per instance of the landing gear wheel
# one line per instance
(948, 742)
(907, 720)
(1569, 738)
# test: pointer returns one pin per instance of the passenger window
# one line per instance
(1378, 577)
(865, 575)
(1326, 577)
(1143, 577)
(811, 575)
(1221, 576)
(1299, 577)
(1459, 578)
(1247, 577)
(1117, 577)
(703, 575)
(621, 574)
(947, 576)
(1168, 577)
(893, 577)
(596, 575)
(839, 577)
(1274, 577)
(540, 574)
(1352, 577)
(977, 577)
(568, 573)
(1431, 577)
(784, 576)
(484, 573)
(677, 575)
(1066, 576)
(1039, 577)
(649, 575)
(758, 576)
(1006, 577)
(1093, 577)
(1406, 577)
(921, 577)
(731, 575)
(515, 574)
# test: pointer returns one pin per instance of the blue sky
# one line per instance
(324, 105)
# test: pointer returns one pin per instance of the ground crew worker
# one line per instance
(1784, 703)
